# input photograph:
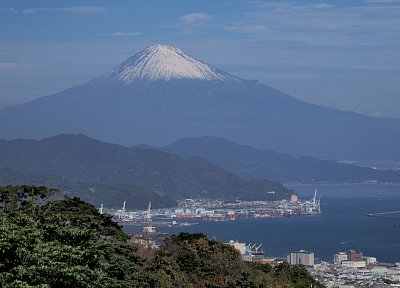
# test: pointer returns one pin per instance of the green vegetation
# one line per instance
(45, 242)
(101, 172)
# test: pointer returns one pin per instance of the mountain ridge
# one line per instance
(159, 112)
(84, 162)
(251, 163)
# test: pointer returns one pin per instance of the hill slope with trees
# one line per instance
(68, 243)
(108, 173)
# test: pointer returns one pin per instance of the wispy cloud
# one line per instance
(247, 28)
(8, 10)
(383, 1)
(195, 18)
(286, 5)
(72, 9)
(320, 6)
(322, 25)
(116, 34)
(275, 5)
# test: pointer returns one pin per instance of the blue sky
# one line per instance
(344, 54)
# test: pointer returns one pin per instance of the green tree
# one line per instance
(48, 243)
(64, 243)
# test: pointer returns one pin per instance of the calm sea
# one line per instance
(342, 225)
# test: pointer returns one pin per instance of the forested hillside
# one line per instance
(67, 243)
(102, 172)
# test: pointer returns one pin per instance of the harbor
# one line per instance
(191, 211)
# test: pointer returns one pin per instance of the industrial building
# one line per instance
(250, 253)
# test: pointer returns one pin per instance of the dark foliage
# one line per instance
(101, 172)
(68, 243)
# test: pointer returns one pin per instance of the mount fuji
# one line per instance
(161, 62)
(161, 94)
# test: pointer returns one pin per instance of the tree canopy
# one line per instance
(66, 242)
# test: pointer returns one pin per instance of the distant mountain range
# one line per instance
(161, 94)
(112, 195)
(109, 173)
(252, 163)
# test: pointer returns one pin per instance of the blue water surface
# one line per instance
(341, 226)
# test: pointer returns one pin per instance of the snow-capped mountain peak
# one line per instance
(163, 62)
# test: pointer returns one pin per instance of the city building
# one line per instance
(240, 246)
(339, 258)
(354, 264)
(370, 260)
(353, 256)
(351, 274)
(301, 257)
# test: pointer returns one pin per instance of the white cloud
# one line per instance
(383, 1)
(124, 34)
(247, 28)
(8, 10)
(276, 5)
(72, 9)
(322, 25)
(195, 18)
(320, 6)
(293, 5)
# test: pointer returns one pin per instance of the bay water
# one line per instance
(341, 226)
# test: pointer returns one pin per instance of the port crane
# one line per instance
(147, 218)
(124, 208)
(121, 213)
(254, 248)
(148, 215)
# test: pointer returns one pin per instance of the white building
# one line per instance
(354, 264)
(339, 258)
(241, 247)
(301, 257)
(370, 260)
